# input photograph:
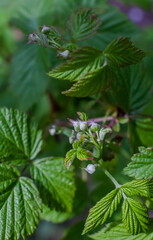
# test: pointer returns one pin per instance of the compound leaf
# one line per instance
(121, 52)
(55, 182)
(103, 210)
(118, 231)
(83, 24)
(18, 135)
(141, 165)
(82, 61)
(134, 216)
(142, 187)
(20, 204)
(92, 83)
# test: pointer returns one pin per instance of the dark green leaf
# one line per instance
(55, 182)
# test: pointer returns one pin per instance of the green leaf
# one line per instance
(135, 216)
(130, 89)
(20, 204)
(19, 136)
(83, 116)
(28, 74)
(92, 83)
(121, 52)
(118, 231)
(29, 15)
(83, 24)
(141, 165)
(83, 154)
(70, 155)
(142, 187)
(82, 61)
(55, 183)
(103, 210)
(141, 132)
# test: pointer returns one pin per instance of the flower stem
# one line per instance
(117, 185)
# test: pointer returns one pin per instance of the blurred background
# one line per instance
(24, 83)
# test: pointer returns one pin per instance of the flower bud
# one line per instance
(83, 125)
(94, 127)
(103, 132)
(45, 29)
(72, 137)
(90, 168)
(52, 130)
(64, 54)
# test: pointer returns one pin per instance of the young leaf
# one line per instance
(142, 187)
(70, 155)
(118, 231)
(20, 204)
(121, 52)
(83, 61)
(83, 24)
(55, 183)
(141, 165)
(92, 83)
(135, 216)
(83, 154)
(18, 135)
(103, 210)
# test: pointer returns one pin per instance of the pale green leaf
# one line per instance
(134, 216)
(19, 136)
(83, 154)
(118, 231)
(82, 61)
(92, 83)
(70, 155)
(121, 52)
(20, 204)
(55, 182)
(141, 165)
(103, 210)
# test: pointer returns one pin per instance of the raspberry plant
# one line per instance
(33, 186)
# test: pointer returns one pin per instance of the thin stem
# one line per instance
(117, 185)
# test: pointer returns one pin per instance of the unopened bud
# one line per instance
(103, 132)
(64, 54)
(52, 130)
(90, 168)
(45, 29)
(94, 127)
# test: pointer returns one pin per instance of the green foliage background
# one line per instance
(24, 84)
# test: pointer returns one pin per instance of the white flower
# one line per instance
(52, 130)
(103, 132)
(94, 127)
(90, 168)
(83, 125)
(45, 28)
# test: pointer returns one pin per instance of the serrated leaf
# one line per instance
(82, 61)
(141, 165)
(55, 182)
(130, 90)
(141, 132)
(134, 216)
(70, 155)
(118, 231)
(32, 62)
(19, 136)
(83, 24)
(103, 210)
(142, 187)
(83, 154)
(20, 204)
(92, 83)
(121, 52)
